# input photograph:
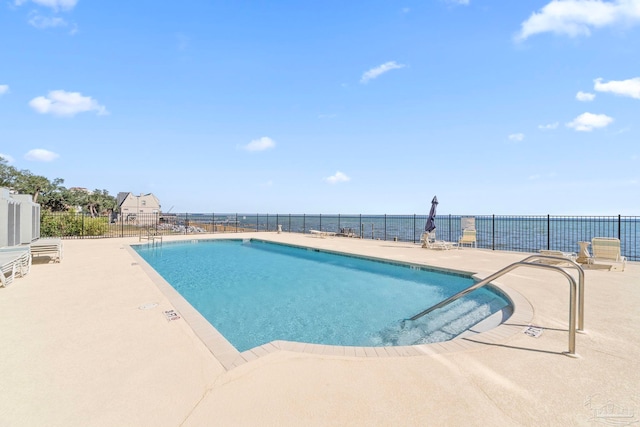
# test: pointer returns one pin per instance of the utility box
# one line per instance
(29, 218)
(9, 219)
(19, 219)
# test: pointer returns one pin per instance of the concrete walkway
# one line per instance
(81, 344)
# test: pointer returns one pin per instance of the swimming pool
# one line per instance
(254, 292)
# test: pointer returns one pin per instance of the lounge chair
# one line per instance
(569, 256)
(8, 266)
(468, 238)
(607, 250)
(318, 233)
(22, 255)
(51, 247)
(429, 241)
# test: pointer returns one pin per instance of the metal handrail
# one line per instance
(572, 264)
(526, 263)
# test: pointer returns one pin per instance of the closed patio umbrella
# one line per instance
(431, 220)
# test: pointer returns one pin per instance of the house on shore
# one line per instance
(142, 209)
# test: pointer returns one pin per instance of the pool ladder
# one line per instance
(536, 261)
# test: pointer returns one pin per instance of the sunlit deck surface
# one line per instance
(76, 349)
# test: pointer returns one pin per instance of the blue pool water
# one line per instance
(255, 292)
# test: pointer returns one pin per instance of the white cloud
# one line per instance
(577, 17)
(537, 176)
(337, 177)
(4, 89)
(630, 87)
(66, 104)
(549, 126)
(585, 96)
(586, 122)
(517, 137)
(53, 4)
(379, 70)
(260, 144)
(8, 158)
(42, 22)
(41, 155)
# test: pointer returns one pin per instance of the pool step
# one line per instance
(456, 320)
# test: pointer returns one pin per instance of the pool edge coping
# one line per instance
(230, 358)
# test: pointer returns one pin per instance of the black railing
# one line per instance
(497, 232)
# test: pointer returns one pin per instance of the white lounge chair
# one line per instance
(51, 247)
(22, 256)
(429, 241)
(318, 233)
(8, 265)
(468, 238)
(607, 250)
(558, 254)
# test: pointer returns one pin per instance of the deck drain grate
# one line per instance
(171, 315)
(532, 331)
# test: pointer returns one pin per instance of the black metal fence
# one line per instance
(497, 232)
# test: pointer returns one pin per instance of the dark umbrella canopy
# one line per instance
(431, 220)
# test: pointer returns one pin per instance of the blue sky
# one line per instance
(518, 107)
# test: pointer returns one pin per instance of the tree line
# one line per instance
(52, 195)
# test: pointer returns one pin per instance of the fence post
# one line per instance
(304, 223)
(236, 222)
(186, 223)
(213, 222)
(339, 223)
(493, 232)
(277, 221)
(385, 227)
(414, 228)
(450, 227)
(548, 232)
(289, 223)
(619, 238)
(361, 229)
(320, 222)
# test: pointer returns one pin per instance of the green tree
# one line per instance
(52, 195)
(7, 174)
(100, 202)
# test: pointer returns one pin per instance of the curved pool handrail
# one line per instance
(526, 263)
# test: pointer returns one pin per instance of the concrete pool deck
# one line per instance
(81, 344)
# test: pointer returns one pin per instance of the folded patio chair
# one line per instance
(22, 258)
(429, 241)
(8, 266)
(468, 238)
(607, 250)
